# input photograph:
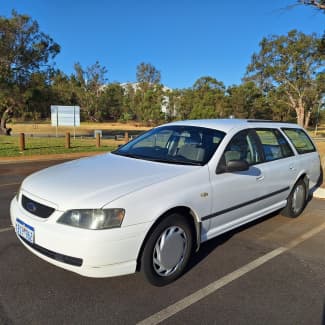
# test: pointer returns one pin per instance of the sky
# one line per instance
(183, 39)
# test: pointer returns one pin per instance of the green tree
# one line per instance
(148, 102)
(293, 63)
(148, 74)
(111, 102)
(90, 86)
(277, 107)
(65, 90)
(208, 99)
(245, 101)
(149, 95)
(183, 102)
(319, 4)
(128, 108)
(37, 98)
(24, 51)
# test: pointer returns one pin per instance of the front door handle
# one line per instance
(260, 178)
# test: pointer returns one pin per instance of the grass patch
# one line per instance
(320, 132)
(85, 128)
(45, 146)
(321, 148)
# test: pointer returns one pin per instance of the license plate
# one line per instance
(24, 230)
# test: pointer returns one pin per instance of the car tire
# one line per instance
(167, 250)
(296, 201)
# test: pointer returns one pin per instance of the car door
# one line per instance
(237, 195)
(280, 166)
(307, 158)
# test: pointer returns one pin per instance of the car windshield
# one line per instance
(174, 144)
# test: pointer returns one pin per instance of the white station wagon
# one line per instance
(148, 205)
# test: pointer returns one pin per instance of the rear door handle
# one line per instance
(292, 167)
(260, 178)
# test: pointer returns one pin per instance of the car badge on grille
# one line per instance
(31, 207)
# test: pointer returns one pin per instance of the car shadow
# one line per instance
(209, 246)
(321, 176)
(323, 315)
(318, 184)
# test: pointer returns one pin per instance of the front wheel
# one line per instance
(296, 201)
(167, 250)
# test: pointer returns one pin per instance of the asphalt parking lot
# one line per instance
(268, 272)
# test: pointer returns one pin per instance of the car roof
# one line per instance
(226, 125)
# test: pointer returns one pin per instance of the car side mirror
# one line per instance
(236, 166)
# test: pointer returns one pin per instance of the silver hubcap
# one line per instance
(169, 251)
(298, 199)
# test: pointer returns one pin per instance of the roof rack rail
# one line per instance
(265, 121)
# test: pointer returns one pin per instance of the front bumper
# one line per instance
(92, 253)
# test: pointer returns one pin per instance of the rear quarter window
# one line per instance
(300, 140)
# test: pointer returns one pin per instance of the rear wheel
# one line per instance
(296, 200)
(167, 250)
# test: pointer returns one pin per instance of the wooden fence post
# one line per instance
(97, 140)
(22, 141)
(67, 140)
(126, 137)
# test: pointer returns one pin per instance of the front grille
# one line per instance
(56, 256)
(35, 208)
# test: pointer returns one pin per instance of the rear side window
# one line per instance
(300, 140)
(274, 145)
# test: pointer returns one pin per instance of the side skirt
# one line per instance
(241, 221)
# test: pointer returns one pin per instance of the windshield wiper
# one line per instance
(167, 161)
(127, 155)
(176, 162)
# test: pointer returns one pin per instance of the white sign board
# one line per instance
(65, 115)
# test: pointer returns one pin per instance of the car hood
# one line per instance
(96, 181)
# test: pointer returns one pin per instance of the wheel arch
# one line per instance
(189, 215)
(304, 177)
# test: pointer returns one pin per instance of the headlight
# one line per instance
(93, 219)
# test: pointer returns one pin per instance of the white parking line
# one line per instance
(8, 184)
(214, 286)
(6, 229)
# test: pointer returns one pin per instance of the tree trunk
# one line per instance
(300, 117)
(300, 113)
(3, 121)
(307, 120)
(298, 106)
